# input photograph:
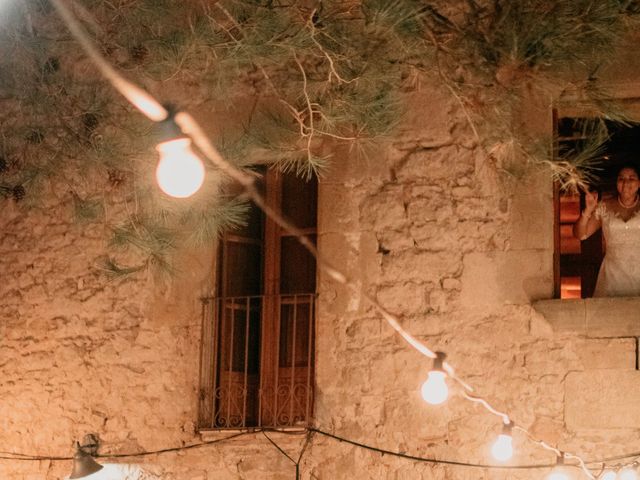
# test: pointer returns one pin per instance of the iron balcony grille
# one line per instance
(257, 361)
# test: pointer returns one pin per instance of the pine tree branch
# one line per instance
(309, 131)
(447, 83)
(332, 69)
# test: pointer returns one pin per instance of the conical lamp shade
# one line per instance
(84, 465)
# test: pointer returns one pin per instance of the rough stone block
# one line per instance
(613, 317)
(603, 399)
(384, 210)
(349, 169)
(505, 277)
(415, 131)
(424, 210)
(531, 222)
(403, 298)
(436, 164)
(421, 266)
(564, 315)
(435, 237)
(391, 241)
(618, 353)
(339, 212)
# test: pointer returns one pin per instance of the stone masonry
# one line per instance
(427, 227)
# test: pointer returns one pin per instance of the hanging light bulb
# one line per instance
(502, 448)
(560, 471)
(557, 474)
(608, 475)
(628, 474)
(180, 173)
(434, 389)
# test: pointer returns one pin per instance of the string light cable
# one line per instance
(296, 463)
(155, 111)
(36, 457)
(309, 432)
(84, 463)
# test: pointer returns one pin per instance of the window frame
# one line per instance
(275, 308)
(574, 105)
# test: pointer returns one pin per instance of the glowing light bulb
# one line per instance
(180, 172)
(559, 474)
(608, 475)
(628, 474)
(435, 390)
(502, 449)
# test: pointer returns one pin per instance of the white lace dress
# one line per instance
(619, 274)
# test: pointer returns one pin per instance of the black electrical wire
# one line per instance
(426, 459)
(302, 450)
(460, 464)
(296, 463)
(279, 448)
(32, 457)
(309, 432)
(23, 456)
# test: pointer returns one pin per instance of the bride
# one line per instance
(617, 216)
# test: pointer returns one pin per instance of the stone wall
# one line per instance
(424, 225)
(80, 353)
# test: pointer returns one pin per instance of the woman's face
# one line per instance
(628, 183)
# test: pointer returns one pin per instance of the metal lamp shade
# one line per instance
(84, 465)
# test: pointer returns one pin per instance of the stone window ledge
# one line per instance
(593, 317)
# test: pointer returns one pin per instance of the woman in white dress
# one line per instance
(618, 217)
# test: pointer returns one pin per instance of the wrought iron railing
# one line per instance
(257, 361)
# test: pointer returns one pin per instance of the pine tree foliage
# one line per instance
(86, 209)
(578, 167)
(505, 37)
(318, 74)
(491, 52)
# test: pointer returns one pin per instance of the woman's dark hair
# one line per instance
(609, 173)
(630, 165)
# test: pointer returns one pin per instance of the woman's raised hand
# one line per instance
(586, 224)
(590, 202)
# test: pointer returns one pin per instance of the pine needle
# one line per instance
(578, 167)
(113, 269)
(206, 225)
(86, 210)
(328, 74)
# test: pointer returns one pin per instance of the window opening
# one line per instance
(258, 331)
(577, 263)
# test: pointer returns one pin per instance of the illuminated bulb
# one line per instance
(628, 474)
(435, 390)
(608, 475)
(558, 474)
(502, 449)
(180, 172)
